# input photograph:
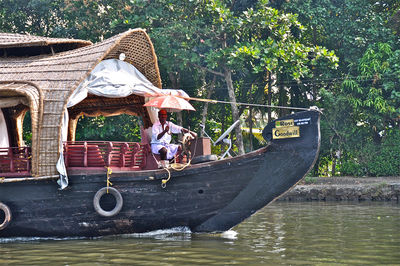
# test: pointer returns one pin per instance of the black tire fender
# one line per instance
(7, 216)
(117, 196)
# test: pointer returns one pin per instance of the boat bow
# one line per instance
(287, 160)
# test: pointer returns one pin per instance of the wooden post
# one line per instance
(122, 154)
(85, 154)
(28, 160)
(135, 149)
(66, 161)
(11, 155)
(108, 153)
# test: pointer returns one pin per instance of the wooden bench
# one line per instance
(15, 161)
(124, 156)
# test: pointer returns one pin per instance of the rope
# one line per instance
(175, 166)
(180, 166)
(164, 181)
(109, 172)
(253, 104)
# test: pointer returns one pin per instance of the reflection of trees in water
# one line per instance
(306, 233)
(324, 232)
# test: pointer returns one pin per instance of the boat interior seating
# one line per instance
(15, 161)
(124, 156)
(89, 155)
(81, 155)
(152, 159)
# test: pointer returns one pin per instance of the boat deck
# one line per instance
(83, 155)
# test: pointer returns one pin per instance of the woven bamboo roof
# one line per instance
(31, 43)
(12, 44)
(18, 40)
(54, 78)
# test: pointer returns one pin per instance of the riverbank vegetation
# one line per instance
(342, 56)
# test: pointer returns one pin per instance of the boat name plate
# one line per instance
(286, 132)
(284, 123)
(302, 121)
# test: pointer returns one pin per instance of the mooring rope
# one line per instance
(109, 172)
(164, 181)
(175, 166)
(252, 104)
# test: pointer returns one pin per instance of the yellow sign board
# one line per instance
(284, 123)
(285, 132)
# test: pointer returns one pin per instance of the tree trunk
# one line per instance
(251, 127)
(205, 109)
(179, 118)
(283, 101)
(235, 111)
(269, 95)
(334, 166)
(174, 78)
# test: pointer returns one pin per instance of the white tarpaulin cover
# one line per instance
(3, 132)
(114, 79)
(5, 103)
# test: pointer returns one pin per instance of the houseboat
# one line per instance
(60, 187)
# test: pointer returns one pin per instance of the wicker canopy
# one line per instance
(28, 45)
(48, 80)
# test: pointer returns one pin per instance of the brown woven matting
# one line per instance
(54, 77)
(33, 94)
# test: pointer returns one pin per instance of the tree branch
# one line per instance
(209, 70)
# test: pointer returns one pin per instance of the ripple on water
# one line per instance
(282, 233)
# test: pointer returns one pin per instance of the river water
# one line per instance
(304, 233)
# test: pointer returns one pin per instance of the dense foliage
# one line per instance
(361, 99)
(342, 56)
(112, 128)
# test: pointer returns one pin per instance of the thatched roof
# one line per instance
(55, 77)
(13, 44)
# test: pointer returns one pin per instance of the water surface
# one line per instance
(306, 233)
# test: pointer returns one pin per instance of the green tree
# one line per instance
(112, 128)
(374, 95)
(79, 19)
(39, 17)
(238, 46)
(360, 99)
(90, 19)
(348, 26)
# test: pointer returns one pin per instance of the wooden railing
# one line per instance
(101, 154)
(15, 161)
(130, 156)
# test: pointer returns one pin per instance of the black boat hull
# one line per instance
(207, 197)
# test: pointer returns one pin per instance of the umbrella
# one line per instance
(170, 103)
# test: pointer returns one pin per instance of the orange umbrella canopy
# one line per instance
(170, 103)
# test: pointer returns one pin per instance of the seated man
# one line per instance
(161, 138)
